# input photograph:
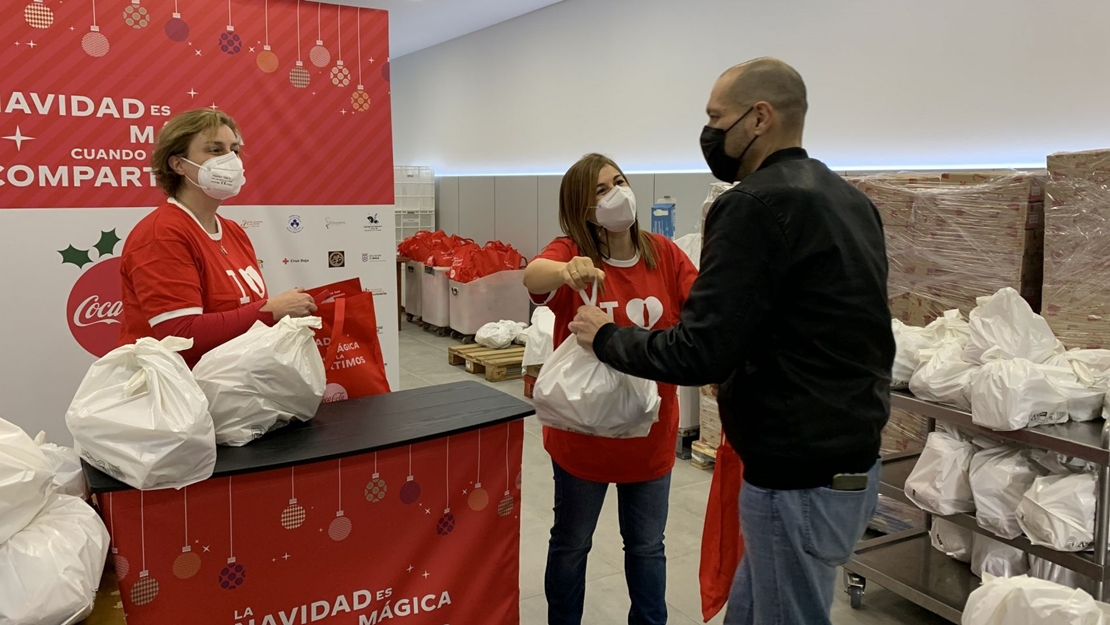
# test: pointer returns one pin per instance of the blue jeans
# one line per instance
(643, 511)
(794, 540)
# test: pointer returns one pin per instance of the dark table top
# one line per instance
(361, 426)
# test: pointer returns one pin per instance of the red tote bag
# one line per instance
(348, 343)
(722, 544)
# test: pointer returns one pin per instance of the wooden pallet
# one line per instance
(702, 456)
(497, 364)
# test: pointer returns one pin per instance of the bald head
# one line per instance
(768, 80)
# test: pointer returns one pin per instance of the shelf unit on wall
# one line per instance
(415, 193)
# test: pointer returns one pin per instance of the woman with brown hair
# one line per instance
(187, 271)
(640, 279)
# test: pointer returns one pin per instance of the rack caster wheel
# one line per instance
(855, 588)
(468, 340)
(441, 332)
(409, 318)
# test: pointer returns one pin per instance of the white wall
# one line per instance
(892, 84)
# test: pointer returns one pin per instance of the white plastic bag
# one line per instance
(1009, 395)
(25, 479)
(1005, 326)
(1058, 511)
(939, 482)
(908, 341)
(944, 377)
(263, 379)
(989, 556)
(999, 478)
(1040, 568)
(1023, 600)
(69, 478)
(1076, 382)
(498, 334)
(578, 393)
(951, 327)
(540, 342)
(140, 417)
(951, 539)
(691, 244)
(49, 572)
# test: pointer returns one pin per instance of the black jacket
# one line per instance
(790, 316)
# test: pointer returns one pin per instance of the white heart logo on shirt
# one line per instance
(644, 313)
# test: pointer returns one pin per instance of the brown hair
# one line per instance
(174, 140)
(577, 195)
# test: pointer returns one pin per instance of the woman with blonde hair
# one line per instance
(640, 279)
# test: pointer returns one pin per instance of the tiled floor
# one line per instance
(424, 362)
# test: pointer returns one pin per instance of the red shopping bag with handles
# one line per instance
(722, 544)
(348, 342)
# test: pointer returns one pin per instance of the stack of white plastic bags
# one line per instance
(1023, 600)
(502, 334)
(52, 545)
(142, 417)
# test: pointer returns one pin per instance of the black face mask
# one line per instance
(723, 166)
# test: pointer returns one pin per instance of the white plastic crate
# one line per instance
(435, 297)
(485, 300)
(414, 288)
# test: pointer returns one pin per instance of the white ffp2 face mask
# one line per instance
(221, 177)
(616, 212)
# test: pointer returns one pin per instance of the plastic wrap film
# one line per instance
(716, 189)
(892, 516)
(709, 419)
(1077, 248)
(903, 431)
(953, 237)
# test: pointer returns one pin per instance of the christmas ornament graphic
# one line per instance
(505, 508)
(479, 498)
(136, 16)
(319, 55)
(299, 76)
(376, 487)
(230, 41)
(267, 60)
(340, 527)
(187, 564)
(340, 75)
(234, 574)
(410, 492)
(176, 29)
(446, 523)
(293, 515)
(145, 590)
(360, 100)
(94, 43)
(122, 566)
(38, 15)
(95, 302)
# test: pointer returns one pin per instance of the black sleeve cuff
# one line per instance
(601, 339)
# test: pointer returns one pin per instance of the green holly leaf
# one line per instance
(75, 256)
(107, 244)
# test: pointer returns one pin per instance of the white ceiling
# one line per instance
(418, 24)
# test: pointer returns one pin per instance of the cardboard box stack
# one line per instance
(1077, 248)
(954, 237)
(709, 418)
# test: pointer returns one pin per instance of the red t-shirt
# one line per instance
(632, 294)
(172, 268)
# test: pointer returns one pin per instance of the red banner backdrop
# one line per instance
(431, 534)
(88, 83)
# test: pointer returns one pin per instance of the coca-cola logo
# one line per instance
(334, 392)
(94, 310)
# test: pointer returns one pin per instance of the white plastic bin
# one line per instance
(435, 300)
(414, 288)
(497, 297)
(689, 407)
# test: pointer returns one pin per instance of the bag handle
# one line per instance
(589, 300)
(336, 330)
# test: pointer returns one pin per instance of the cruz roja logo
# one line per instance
(337, 259)
(295, 224)
(95, 302)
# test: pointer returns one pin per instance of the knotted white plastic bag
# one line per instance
(25, 479)
(50, 571)
(992, 557)
(951, 327)
(262, 380)
(69, 478)
(944, 377)
(499, 334)
(952, 540)
(999, 478)
(1023, 600)
(578, 393)
(1058, 511)
(908, 341)
(939, 482)
(1009, 395)
(1084, 392)
(540, 337)
(1005, 326)
(140, 417)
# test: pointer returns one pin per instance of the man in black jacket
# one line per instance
(790, 317)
